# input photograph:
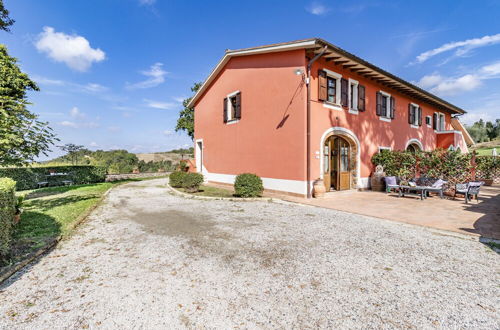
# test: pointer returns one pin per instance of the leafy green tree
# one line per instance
(72, 151)
(22, 136)
(5, 20)
(186, 116)
(484, 131)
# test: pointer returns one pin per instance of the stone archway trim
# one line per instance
(342, 132)
(415, 141)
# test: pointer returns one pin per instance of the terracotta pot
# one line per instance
(487, 182)
(17, 218)
(135, 171)
(319, 189)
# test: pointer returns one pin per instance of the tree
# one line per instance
(72, 151)
(186, 116)
(22, 136)
(5, 20)
(484, 131)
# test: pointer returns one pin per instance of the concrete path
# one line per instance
(480, 219)
(147, 259)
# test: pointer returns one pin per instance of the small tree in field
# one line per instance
(186, 116)
(72, 151)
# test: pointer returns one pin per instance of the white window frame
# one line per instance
(417, 115)
(430, 121)
(441, 122)
(353, 97)
(199, 146)
(229, 119)
(380, 148)
(336, 105)
(387, 116)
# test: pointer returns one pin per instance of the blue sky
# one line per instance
(113, 73)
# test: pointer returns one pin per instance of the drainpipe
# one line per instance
(308, 143)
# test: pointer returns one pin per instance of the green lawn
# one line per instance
(53, 212)
(486, 151)
(213, 192)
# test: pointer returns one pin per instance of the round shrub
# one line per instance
(191, 181)
(248, 185)
(176, 178)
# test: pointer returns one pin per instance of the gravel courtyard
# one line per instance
(148, 259)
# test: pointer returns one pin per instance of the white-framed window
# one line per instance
(333, 87)
(232, 107)
(353, 96)
(384, 148)
(415, 115)
(439, 121)
(385, 106)
(428, 121)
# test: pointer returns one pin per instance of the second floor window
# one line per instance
(414, 114)
(331, 89)
(232, 107)
(386, 105)
(439, 121)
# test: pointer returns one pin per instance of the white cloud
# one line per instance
(461, 47)
(168, 132)
(161, 105)
(492, 70)
(156, 76)
(76, 113)
(67, 123)
(430, 81)
(94, 88)
(86, 88)
(179, 99)
(93, 144)
(73, 50)
(147, 2)
(453, 85)
(317, 8)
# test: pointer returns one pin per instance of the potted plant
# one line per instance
(19, 209)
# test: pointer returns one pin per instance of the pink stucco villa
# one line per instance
(297, 112)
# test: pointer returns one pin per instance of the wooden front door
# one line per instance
(344, 174)
(336, 164)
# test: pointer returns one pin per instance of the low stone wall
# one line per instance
(116, 177)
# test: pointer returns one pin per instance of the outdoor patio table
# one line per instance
(413, 191)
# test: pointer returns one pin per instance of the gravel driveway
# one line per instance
(148, 259)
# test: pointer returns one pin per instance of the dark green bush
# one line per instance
(8, 203)
(248, 185)
(191, 182)
(488, 167)
(27, 177)
(176, 178)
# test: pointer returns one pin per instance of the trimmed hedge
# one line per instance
(176, 178)
(27, 177)
(7, 211)
(192, 181)
(248, 185)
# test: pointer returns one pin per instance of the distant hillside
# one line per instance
(159, 156)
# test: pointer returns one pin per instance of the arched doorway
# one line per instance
(337, 163)
(413, 147)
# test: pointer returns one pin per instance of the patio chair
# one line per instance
(391, 182)
(438, 187)
(41, 181)
(469, 190)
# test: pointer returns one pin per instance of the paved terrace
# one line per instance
(476, 218)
